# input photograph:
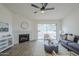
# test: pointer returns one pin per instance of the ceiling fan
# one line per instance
(43, 8)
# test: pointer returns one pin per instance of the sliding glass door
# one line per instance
(49, 29)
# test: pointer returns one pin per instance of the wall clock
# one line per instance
(24, 25)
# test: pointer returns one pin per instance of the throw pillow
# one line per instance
(70, 37)
(65, 36)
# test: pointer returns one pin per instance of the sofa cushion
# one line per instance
(70, 37)
(74, 46)
(63, 36)
(66, 41)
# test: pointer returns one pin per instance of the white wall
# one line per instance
(17, 29)
(5, 17)
(70, 24)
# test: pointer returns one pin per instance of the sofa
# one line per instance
(71, 45)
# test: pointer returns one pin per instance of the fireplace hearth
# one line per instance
(23, 38)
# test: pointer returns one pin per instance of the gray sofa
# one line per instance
(71, 45)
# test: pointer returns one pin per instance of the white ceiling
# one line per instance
(25, 9)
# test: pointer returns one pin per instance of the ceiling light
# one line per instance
(42, 11)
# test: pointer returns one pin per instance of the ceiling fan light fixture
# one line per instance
(42, 11)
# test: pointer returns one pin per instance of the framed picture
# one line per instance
(4, 27)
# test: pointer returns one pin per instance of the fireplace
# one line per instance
(23, 37)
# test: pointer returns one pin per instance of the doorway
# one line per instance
(49, 29)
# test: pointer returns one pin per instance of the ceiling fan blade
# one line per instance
(42, 4)
(45, 4)
(49, 9)
(34, 6)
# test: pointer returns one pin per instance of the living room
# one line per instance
(23, 18)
